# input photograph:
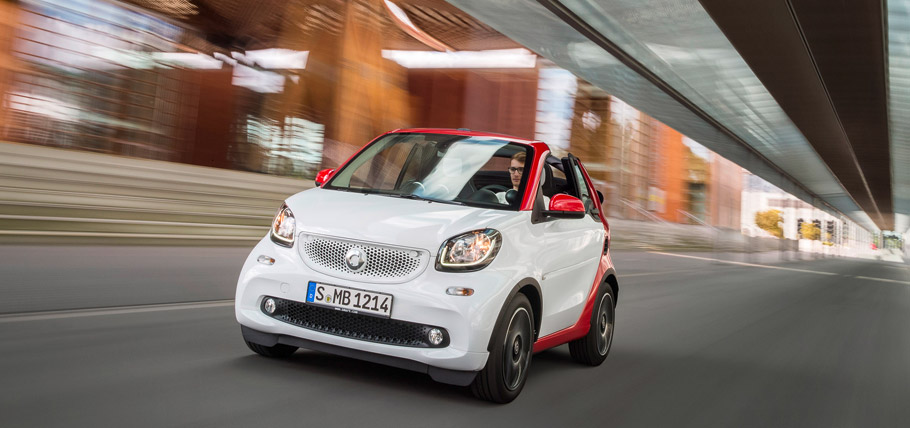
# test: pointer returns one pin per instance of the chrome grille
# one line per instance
(384, 263)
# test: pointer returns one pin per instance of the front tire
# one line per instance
(503, 378)
(277, 351)
(592, 349)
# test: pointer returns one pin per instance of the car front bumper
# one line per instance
(468, 320)
(452, 377)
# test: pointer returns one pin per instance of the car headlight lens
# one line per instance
(469, 251)
(283, 227)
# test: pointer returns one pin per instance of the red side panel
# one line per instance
(583, 324)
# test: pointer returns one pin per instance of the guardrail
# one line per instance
(51, 195)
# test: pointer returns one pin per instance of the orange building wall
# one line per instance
(669, 170)
(9, 19)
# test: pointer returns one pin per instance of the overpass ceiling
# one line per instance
(797, 91)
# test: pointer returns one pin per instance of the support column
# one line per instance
(371, 94)
(9, 64)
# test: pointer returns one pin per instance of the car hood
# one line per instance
(387, 220)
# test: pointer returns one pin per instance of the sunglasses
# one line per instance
(514, 170)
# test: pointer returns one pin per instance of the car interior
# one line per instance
(484, 185)
(491, 185)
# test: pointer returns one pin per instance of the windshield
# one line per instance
(478, 171)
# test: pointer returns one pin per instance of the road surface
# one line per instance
(698, 343)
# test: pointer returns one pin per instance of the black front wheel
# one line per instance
(510, 358)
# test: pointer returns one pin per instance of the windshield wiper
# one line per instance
(405, 196)
(348, 189)
(417, 198)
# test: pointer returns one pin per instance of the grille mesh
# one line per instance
(384, 264)
(355, 326)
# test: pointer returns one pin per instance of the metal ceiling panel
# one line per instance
(678, 41)
(824, 64)
(708, 92)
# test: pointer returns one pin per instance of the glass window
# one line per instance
(456, 169)
(584, 192)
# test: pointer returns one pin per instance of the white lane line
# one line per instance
(746, 264)
(882, 279)
(79, 313)
(778, 268)
(630, 275)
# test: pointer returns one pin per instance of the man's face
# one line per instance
(515, 170)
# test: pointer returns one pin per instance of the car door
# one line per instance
(572, 252)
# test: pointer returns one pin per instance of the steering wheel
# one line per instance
(444, 189)
(412, 186)
(495, 188)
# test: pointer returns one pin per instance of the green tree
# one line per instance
(810, 231)
(770, 221)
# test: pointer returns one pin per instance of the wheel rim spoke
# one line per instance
(605, 325)
(516, 349)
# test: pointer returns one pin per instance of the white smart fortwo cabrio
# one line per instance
(450, 252)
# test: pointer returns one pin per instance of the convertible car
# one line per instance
(450, 252)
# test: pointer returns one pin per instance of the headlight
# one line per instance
(469, 251)
(283, 227)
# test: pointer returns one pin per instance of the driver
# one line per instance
(516, 170)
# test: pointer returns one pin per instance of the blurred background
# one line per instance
(187, 122)
(145, 146)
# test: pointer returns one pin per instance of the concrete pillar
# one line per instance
(9, 22)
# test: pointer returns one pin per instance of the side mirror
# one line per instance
(565, 206)
(324, 176)
(600, 196)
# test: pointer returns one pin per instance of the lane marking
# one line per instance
(746, 264)
(882, 279)
(79, 313)
(780, 268)
(660, 273)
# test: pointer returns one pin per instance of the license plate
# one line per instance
(349, 299)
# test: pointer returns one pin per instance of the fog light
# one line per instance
(269, 306)
(459, 291)
(435, 336)
(266, 260)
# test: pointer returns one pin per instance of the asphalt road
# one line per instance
(698, 343)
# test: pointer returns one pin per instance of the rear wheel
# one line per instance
(594, 347)
(510, 358)
(277, 351)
